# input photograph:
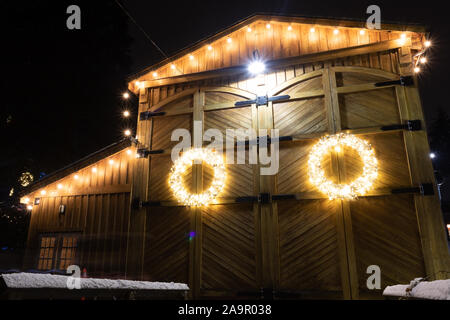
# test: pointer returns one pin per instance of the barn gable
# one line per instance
(277, 39)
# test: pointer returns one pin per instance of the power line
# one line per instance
(140, 28)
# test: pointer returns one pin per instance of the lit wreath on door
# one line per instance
(210, 157)
(357, 187)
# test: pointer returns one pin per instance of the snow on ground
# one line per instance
(434, 290)
(36, 280)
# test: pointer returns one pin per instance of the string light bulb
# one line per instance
(155, 74)
(191, 57)
(209, 47)
(59, 186)
(127, 133)
(289, 28)
(94, 170)
(26, 200)
(229, 40)
(356, 188)
(423, 60)
(126, 113)
(43, 192)
(29, 207)
(312, 30)
(126, 95)
(427, 43)
(76, 177)
(416, 70)
(362, 32)
(172, 66)
(111, 161)
(268, 26)
(249, 29)
(129, 152)
(336, 31)
(403, 36)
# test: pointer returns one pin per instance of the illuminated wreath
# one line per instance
(180, 166)
(342, 191)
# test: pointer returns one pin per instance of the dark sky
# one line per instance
(62, 88)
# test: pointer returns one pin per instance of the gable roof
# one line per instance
(77, 165)
(316, 21)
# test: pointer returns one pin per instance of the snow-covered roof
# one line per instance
(36, 281)
(433, 290)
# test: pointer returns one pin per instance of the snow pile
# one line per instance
(35, 280)
(434, 290)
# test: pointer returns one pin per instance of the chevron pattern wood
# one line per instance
(228, 119)
(293, 172)
(386, 234)
(159, 176)
(369, 109)
(228, 247)
(353, 78)
(221, 97)
(167, 244)
(302, 116)
(308, 245)
(163, 127)
(393, 170)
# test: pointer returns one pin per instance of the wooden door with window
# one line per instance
(57, 251)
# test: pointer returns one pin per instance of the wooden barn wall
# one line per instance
(97, 212)
(277, 42)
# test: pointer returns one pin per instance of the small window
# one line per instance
(57, 251)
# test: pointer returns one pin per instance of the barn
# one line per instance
(353, 190)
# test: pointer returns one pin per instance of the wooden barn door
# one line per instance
(325, 246)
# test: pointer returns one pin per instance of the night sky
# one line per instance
(61, 89)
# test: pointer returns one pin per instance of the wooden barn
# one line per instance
(277, 236)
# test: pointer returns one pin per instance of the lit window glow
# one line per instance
(356, 188)
(180, 166)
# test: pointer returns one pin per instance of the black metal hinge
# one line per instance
(261, 100)
(147, 115)
(138, 204)
(144, 153)
(425, 189)
(262, 198)
(410, 125)
(403, 81)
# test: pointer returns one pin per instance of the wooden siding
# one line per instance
(97, 210)
(281, 40)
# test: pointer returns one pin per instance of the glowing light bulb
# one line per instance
(229, 40)
(172, 66)
(427, 43)
(336, 31)
(43, 192)
(127, 133)
(337, 149)
(60, 186)
(26, 200)
(362, 32)
(423, 60)
(416, 69)
(289, 28)
(432, 155)
(268, 26)
(126, 113)
(29, 207)
(76, 177)
(249, 29)
(403, 36)
(256, 67)
(129, 152)
(209, 48)
(111, 161)
(312, 30)
(94, 170)
(191, 57)
(126, 95)
(155, 74)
